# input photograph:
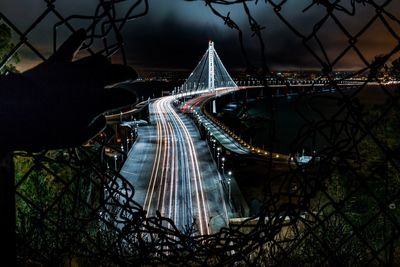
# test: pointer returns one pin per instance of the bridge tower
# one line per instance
(209, 73)
(211, 85)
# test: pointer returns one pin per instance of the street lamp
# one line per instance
(115, 161)
(229, 190)
(218, 156)
(229, 186)
(213, 140)
(223, 164)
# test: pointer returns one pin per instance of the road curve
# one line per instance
(174, 172)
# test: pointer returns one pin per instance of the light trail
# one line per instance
(176, 187)
(196, 175)
(154, 172)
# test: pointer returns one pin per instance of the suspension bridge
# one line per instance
(172, 170)
(178, 174)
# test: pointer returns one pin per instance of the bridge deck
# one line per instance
(224, 139)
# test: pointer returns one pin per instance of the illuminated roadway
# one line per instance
(173, 172)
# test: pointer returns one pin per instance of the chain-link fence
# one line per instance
(340, 209)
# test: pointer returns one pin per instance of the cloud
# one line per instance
(174, 44)
(176, 41)
(174, 34)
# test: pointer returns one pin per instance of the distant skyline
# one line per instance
(174, 34)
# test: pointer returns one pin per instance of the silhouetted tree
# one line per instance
(6, 46)
(395, 70)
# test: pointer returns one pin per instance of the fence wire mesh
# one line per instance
(339, 210)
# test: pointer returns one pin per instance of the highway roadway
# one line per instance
(173, 172)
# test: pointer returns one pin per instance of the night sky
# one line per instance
(174, 34)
